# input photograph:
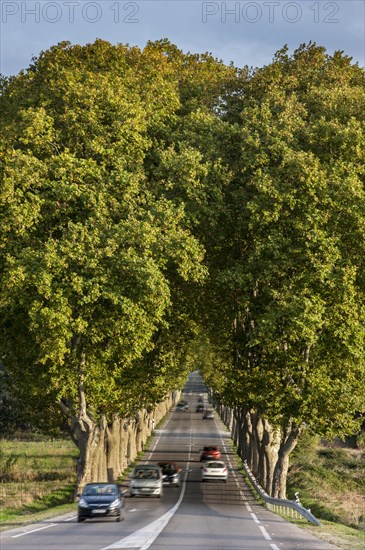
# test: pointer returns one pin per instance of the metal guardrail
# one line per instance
(277, 504)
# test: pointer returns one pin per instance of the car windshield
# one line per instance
(146, 474)
(100, 490)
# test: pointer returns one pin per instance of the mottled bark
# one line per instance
(271, 444)
(261, 466)
(287, 445)
(107, 449)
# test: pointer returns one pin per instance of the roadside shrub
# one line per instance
(360, 441)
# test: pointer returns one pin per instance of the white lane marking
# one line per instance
(161, 432)
(248, 507)
(70, 519)
(144, 537)
(264, 532)
(34, 530)
(254, 517)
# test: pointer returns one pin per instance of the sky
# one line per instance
(242, 32)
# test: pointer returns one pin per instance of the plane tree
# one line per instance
(89, 253)
(289, 272)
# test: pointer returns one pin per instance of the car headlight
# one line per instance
(115, 503)
(83, 503)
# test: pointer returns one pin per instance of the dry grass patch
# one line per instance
(30, 470)
(331, 481)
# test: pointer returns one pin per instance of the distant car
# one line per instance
(182, 406)
(170, 473)
(146, 480)
(100, 500)
(209, 453)
(214, 470)
(199, 408)
(208, 415)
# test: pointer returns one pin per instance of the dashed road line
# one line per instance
(264, 532)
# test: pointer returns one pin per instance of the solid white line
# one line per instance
(274, 547)
(34, 530)
(264, 532)
(143, 538)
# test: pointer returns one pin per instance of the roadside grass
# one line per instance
(36, 474)
(54, 504)
(330, 479)
(345, 538)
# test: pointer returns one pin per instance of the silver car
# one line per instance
(146, 480)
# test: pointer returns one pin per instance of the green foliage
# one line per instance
(152, 197)
(99, 195)
(360, 441)
(291, 283)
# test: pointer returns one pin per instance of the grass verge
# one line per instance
(53, 504)
(345, 538)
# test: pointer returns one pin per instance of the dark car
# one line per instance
(200, 408)
(170, 473)
(209, 453)
(101, 500)
(208, 415)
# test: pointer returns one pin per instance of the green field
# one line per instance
(330, 479)
(35, 475)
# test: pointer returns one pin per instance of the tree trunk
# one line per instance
(258, 430)
(107, 449)
(271, 444)
(113, 449)
(287, 445)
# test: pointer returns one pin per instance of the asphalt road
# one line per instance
(195, 516)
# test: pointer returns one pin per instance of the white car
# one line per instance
(214, 470)
(146, 480)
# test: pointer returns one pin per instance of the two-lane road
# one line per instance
(214, 515)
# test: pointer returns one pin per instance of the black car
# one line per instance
(208, 415)
(170, 473)
(100, 500)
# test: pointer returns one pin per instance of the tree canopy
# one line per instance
(150, 196)
(290, 272)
